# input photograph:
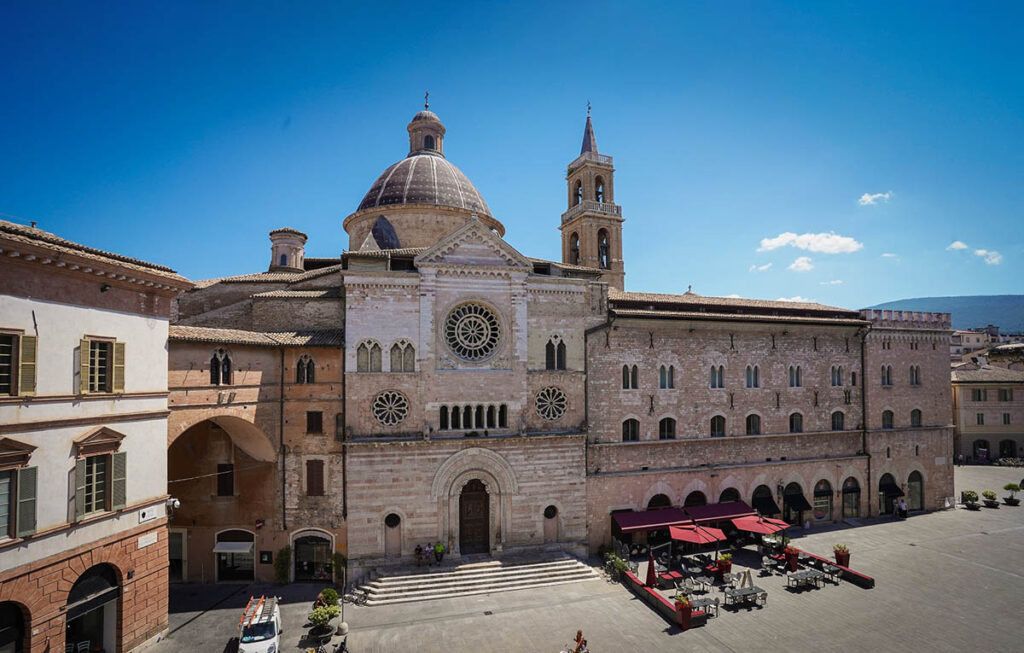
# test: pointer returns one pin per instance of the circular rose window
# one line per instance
(390, 408)
(472, 331)
(551, 403)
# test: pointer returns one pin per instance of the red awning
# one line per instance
(696, 534)
(760, 525)
(649, 520)
(716, 512)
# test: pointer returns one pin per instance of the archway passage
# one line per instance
(92, 610)
(312, 558)
(851, 498)
(1007, 449)
(12, 628)
(888, 492)
(474, 518)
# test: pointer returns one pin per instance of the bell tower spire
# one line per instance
(592, 226)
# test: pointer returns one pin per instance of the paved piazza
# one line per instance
(946, 581)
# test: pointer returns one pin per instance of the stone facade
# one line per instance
(478, 397)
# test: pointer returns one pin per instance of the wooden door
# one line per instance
(474, 518)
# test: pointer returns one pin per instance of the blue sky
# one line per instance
(767, 150)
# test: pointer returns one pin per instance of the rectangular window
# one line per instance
(981, 419)
(225, 480)
(314, 421)
(979, 395)
(7, 362)
(1005, 394)
(1006, 418)
(96, 483)
(6, 503)
(18, 354)
(101, 366)
(99, 361)
(314, 478)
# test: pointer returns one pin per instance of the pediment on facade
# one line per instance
(473, 244)
(98, 441)
(14, 453)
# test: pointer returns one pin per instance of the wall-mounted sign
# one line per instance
(147, 539)
(266, 557)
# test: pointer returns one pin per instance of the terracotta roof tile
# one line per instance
(693, 299)
(749, 317)
(988, 375)
(307, 338)
(329, 293)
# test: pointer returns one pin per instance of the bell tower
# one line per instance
(592, 226)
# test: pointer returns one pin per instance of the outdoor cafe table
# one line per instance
(742, 594)
(700, 604)
(805, 577)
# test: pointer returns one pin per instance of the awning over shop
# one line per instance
(649, 520)
(716, 512)
(696, 534)
(796, 501)
(233, 547)
(760, 525)
(890, 490)
(766, 505)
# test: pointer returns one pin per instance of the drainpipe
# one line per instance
(344, 419)
(280, 432)
(864, 406)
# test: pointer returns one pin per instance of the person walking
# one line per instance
(903, 508)
(581, 644)
(438, 552)
(430, 547)
(419, 555)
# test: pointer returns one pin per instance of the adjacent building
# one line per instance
(988, 409)
(83, 427)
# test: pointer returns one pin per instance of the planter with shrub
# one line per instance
(1013, 489)
(991, 500)
(970, 500)
(842, 554)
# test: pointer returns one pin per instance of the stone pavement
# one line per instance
(946, 581)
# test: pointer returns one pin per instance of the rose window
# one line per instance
(390, 408)
(551, 403)
(472, 331)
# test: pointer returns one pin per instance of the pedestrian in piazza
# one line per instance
(419, 555)
(438, 552)
(430, 547)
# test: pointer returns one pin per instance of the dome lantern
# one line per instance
(426, 133)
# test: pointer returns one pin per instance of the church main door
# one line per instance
(474, 518)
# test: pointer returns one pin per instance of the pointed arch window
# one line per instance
(915, 375)
(220, 368)
(368, 357)
(753, 376)
(753, 425)
(837, 375)
(796, 423)
(574, 248)
(887, 419)
(554, 354)
(599, 189)
(630, 430)
(667, 429)
(667, 377)
(602, 249)
(717, 426)
(630, 377)
(403, 357)
(915, 417)
(795, 376)
(577, 194)
(717, 376)
(305, 370)
(838, 421)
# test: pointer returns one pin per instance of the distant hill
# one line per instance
(970, 311)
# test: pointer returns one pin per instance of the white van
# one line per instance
(260, 626)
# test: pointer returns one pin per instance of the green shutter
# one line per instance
(26, 517)
(83, 367)
(118, 367)
(118, 480)
(79, 489)
(27, 365)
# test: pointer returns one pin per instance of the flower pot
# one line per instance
(972, 506)
(991, 503)
(1011, 501)
(726, 566)
(792, 560)
(683, 614)
(842, 558)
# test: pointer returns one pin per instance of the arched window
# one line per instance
(629, 377)
(659, 502)
(915, 375)
(220, 368)
(729, 495)
(599, 189)
(795, 376)
(574, 248)
(887, 375)
(304, 370)
(851, 498)
(667, 429)
(837, 375)
(442, 422)
(717, 376)
(428, 142)
(796, 423)
(283, 260)
(762, 501)
(717, 426)
(560, 356)
(838, 421)
(822, 501)
(915, 491)
(403, 357)
(853, 378)
(602, 249)
(368, 357)
(633, 378)
(630, 430)
(666, 377)
(887, 419)
(915, 417)
(753, 425)
(695, 498)
(577, 195)
(753, 376)
(549, 355)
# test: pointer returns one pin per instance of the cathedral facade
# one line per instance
(434, 384)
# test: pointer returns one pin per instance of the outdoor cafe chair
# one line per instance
(762, 599)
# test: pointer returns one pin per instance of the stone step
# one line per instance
(476, 578)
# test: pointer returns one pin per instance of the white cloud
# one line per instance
(830, 243)
(870, 199)
(889, 255)
(991, 257)
(733, 296)
(801, 264)
(796, 298)
(957, 244)
(760, 268)
(834, 282)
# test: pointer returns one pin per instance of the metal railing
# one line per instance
(590, 156)
(594, 207)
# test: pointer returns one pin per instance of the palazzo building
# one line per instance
(433, 383)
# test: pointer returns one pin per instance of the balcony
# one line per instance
(590, 206)
(592, 157)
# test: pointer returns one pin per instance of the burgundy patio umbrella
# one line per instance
(760, 525)
(651, 578)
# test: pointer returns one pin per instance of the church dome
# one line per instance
(426, 114)
(424, 178)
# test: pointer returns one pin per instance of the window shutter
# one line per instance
(26, 517)
(83, 367)
(118, 480)
(79, 488)
(27, 365)
(118, 367)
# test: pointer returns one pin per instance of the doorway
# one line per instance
(177, 565)
(312, 558)
(915, 491)
(474, 518)
(393, 536)
(92, 611)
(851, 498)
(234, 550)
(12, 628)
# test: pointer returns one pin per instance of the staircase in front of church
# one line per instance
(475, 578)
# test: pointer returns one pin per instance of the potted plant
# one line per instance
(792, 556)
(683, 611)
(725, 563)
(1013, 489)
(991, 501)
(320, 618)
(970, 499)
(330, 595)
(842, 554)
